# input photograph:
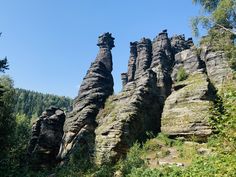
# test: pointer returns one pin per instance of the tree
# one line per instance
(219, 18)
(216, 13)
(33, 103)
(7, 119)
(3, 65)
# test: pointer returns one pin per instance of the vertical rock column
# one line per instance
(97, 86)
(132, 61)
(144, 56)
(124, 78)
(162, 63)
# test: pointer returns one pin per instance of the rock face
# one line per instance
(186, 110)
(179, 43)
(169, 86)
(127, 117)
(189, 61)
(132, 61)
(144, 56)
(217, 67)
(162, 61)
(97, 86)
(46, 137)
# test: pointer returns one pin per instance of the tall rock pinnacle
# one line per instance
(96, 87)
(105, 43)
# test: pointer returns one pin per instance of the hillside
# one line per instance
(33, 103)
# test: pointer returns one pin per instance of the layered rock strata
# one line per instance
(170, 86)
(96, 87)
(186, 111)
(217, 66)
(127, 117)
(46, 138)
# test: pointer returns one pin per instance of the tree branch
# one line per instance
(226, 29)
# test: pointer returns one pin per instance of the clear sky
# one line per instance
(50, 44)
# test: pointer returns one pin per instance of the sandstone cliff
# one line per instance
(170, 86)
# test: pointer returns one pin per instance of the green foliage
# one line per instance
(147, 172)
(225, 120)
(181, 74)
(133, 160)
(32, 104)
(220, 21)
(208, 5)
(217, 13)
(14, 163)
(218, 165)
(7, 120)
(108, 108)
(220, 40)
(3, 65)
(80, 165)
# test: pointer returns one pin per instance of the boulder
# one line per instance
(186, 111)
(46, 137)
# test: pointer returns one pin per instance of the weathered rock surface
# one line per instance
(179, 43)
(152, 99)
(144, 57)
(97, 86)
(132, 61)
(218, 69)
(189, 60)
(127, 117)
(162, 61)
(186, 110)
(46, 137)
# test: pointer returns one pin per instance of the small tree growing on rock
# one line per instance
(181, 74)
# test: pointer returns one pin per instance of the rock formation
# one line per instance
(186, 111)
(96, 87)
(218, 69)
(170, 86)
(46, 138)
(127, 117)
(137, 109)
(132, 61)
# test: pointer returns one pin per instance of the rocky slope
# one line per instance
(170, 86)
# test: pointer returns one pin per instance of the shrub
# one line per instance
(133, 160)
(181, 74)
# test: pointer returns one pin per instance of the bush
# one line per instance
(181, 74)
(133, 160)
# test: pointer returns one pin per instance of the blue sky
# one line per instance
(50, 44)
